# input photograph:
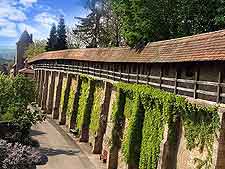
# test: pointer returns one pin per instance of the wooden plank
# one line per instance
(207, 93)
(167, 86)
(185, 89)
(218, 87)
(185, 81)
(207, 83)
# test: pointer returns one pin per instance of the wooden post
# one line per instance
(62, 118)
(87, 112)
(75, 103)
(195, 83)
(128, 72)
(41, 87)
(58, 96)
(45, 91)
(38, 84)
(175, 82)
(148, 74)
(138, 71)
(160, 77)
(120, 71)
(51, 93)
(113, 72)
(218, 87)
(97, 149)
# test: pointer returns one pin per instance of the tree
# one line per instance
(73, 41)
(61, 35)
(36, 48)
(143, 21)
(100, 27)
(52, 40)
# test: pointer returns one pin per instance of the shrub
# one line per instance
(18, 156)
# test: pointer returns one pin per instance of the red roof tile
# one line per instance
(202, 47)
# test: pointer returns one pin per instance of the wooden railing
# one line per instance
(140, 78)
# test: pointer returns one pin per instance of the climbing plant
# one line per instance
(161, 108)
(96, 109)
(200, 125)
(82, 102)
(71, 100)
(62, 94)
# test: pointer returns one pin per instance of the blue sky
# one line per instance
(36, 16)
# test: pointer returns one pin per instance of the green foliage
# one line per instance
(70, 101)
(16, 93)
(96, 109)
(143, 21)
(200, 124)
(52, 40)
(82, 102)
(118, 120)
(161, 108)
(35, 48)
(61, 35)
(62, 94)
(100, 28)
(132, 143)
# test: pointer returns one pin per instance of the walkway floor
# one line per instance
(63, 153)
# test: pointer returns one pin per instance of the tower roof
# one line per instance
(25, 37)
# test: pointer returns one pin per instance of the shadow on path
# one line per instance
(36, 133)
(55, 152)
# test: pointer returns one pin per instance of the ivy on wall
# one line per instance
(161, 108)
(71, 100)
(82, 102)
(62, 94)
(200, 124)
(96, 109)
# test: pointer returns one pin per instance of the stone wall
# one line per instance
(171, 156)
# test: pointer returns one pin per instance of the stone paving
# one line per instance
(62, 151)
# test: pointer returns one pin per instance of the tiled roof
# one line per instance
(202, 47)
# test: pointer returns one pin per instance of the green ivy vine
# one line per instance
(160, 108)
(71, 100)
(82, 102)
(96, 109)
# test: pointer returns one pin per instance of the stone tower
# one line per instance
(24, 41)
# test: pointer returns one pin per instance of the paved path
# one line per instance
(62, 152)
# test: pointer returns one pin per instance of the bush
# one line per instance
(18, 156)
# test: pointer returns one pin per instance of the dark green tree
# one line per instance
(101, 27)
(61, 35)
(52, 40)
(144, 20)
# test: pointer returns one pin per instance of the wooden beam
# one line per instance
(195, 83)
(160, 77)
(175, 83)
(219, 87)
